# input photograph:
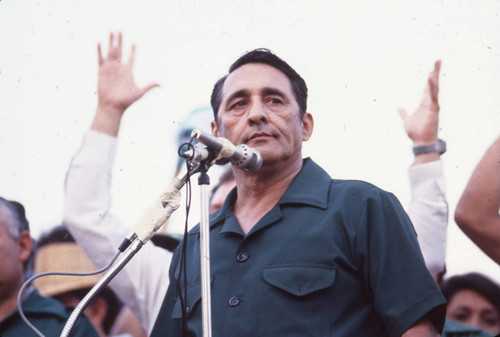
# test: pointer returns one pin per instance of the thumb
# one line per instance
(148, 87)
(402, 112)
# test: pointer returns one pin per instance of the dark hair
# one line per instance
(55, 235)
(60, 234)
(472, 281)
(265, 56)
(114, 305)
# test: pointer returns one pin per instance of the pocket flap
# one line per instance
(299, 280)
(193, 297)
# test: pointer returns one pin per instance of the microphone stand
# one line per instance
(147, 226)
(203, 182)
(131, 251)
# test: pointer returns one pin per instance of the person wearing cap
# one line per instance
(57, 251)
(16, 247)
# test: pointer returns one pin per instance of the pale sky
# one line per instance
(362, 60)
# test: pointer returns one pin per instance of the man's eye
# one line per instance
(275, 101)
(239, 104)
(491, 321)
(460, 317)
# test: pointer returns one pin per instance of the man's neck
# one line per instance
(260, 191)
(9, 303)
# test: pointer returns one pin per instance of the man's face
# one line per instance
(258, 108)
(11, 262)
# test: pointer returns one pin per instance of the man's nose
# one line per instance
(474, 320)
(257, 113)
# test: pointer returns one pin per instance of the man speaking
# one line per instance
(293, 251)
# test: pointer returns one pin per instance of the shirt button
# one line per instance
(242, 257)
(234, 301)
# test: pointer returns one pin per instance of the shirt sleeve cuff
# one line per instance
(423, 177)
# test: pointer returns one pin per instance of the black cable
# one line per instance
(182, 272)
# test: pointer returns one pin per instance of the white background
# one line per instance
(361, 59)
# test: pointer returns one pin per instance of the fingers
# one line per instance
(437, 67)
(115, 47)
(434, 81)
(110, 39)
(148, 87)
(131, 59)
(119, 47)
(99, 54)
(402, 112)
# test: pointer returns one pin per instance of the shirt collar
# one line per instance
(310, 187)
(34, 303)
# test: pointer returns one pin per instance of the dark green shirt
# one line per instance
(47, 315)
(331, 258)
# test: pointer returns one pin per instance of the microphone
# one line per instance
(242, 156)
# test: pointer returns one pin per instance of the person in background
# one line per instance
(220, 191)
(87, 205)
(57, 251)
(16, 248)
(477, 211)
(474, 300)
(428, 209)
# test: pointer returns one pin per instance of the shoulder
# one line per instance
(47, 315)
(357, 190)
(38, 304)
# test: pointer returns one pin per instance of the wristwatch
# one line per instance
(439, 147)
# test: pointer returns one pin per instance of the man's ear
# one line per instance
(215, 130)
(25, 246)
(307, 126)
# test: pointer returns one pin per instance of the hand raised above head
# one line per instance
(116, 87)
(422, 125)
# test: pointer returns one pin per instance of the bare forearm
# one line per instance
(477, 210)
(107, 120)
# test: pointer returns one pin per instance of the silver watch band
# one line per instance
(439, 147)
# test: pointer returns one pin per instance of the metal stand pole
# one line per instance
(147, 226)
(203, 182)
(132, 250)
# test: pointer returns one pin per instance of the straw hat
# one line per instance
(67, 257)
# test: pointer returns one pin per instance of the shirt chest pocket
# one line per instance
(193, 295)
(299, 280)
(191, 303)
